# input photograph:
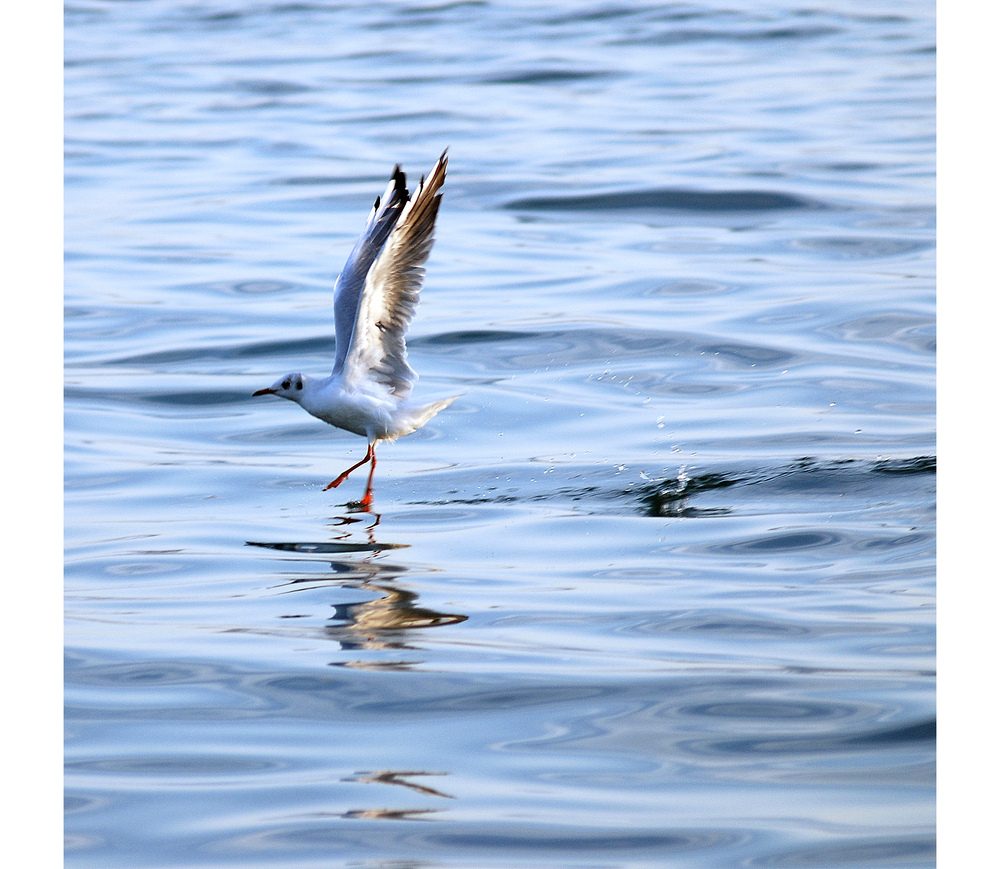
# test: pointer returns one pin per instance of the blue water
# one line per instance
(658, 590)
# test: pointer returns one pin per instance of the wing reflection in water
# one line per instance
(388, 814)
(393, 777)
(381, 623)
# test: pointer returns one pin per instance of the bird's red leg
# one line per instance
(367, 500)
(369, 456)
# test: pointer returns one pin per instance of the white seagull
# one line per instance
(374, 299)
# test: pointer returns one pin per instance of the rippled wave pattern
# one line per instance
(658, 590)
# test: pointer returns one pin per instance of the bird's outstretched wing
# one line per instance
(391, 291)
(351, 284)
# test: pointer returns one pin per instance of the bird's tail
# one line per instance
(420, 414)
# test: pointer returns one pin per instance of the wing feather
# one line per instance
(350, 285)
(392, 290)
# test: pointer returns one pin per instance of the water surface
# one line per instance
(656, 591)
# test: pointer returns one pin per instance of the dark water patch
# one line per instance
(877, 18)
(76, 803)
(681, 287)
(911, 331)
(531, 838)
(403, 119)
(137, 674)
(811, 541)
(731, 625)
(180, 148)
(851, 248)
(752, 355)
(519, 839)
(807, 477)
(547, 76)
(812, 474)
(918, 465)
(682, 36)
(314, 180)
(444, 7)
(659, 384)
(242, 288)
(182, 765)
(923, 731)
(849, 166)
(532, 350)
(792, 541)
(418, 16)
(220, 692)
(222, 17)
(494, 699)
(246, 17)
(610, 12)
(866, 852)
(666, 367)
(759, 710)
(852, 477)
(259, 350)
(476, 336)
(268, 87)
(774, 744)
(280, 436)
(666, 199)
(805, 485)
(166, 399)
(97, 482)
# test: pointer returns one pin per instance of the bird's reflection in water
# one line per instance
(375, 624)
(395, 777)
(378, 624)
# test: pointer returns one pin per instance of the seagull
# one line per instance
(368, 392)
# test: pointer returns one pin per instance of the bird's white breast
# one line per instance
(362, 413)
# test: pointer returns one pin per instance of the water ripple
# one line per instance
(667, 199)
(899, 851)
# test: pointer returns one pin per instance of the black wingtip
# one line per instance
(378, 202)
(399, 180)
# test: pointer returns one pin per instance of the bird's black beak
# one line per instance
(267, 391)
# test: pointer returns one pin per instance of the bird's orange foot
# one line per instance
(335, 483)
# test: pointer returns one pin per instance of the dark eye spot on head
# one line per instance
(285, 385)
(298, 384)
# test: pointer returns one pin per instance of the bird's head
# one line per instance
(290, 386)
